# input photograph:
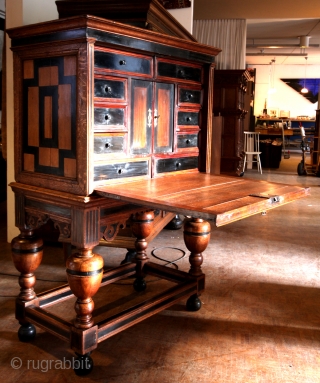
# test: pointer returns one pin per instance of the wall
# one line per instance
(184, 16)
(285, 98)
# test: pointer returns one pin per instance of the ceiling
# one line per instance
(272, 23)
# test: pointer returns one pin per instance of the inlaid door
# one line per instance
(152, 117)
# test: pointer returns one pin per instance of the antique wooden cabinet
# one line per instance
(113, 123)
(230, 87)
(98, 101)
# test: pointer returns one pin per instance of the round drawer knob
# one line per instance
(188, 141)
(178, 164)
(188, 119)
(107, 117)
(107, 89)
(122, 62)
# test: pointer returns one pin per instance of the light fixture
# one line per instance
(304, 89)
(304, 41)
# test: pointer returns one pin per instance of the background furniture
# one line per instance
(293, 134)
(251, 150)
(230, 88)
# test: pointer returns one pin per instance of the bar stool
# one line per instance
(251, 150)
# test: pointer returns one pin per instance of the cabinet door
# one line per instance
(141, 117)
(163, 118)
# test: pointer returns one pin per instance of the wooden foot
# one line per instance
(194, 303)
(142, 226)
(27, 332)
(83, 364)
(84, 273)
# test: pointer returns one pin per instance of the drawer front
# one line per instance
(123, 62)
(109, 89)
(109, 117)
(176, 164)
(187, 141)
(190, 96)
(121, 170)
(182, 72)
(188, 118)
(108, 144)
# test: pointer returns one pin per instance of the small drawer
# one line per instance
(121, 62)
(188, 118)
(109, 117)
(105, 144)
(178, 71)
(189, 96)
(110, 89)
(187, 141)
(121, 170)
(176, 164)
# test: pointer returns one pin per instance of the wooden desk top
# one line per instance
(223, 199)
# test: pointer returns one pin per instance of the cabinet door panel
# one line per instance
(163, 118)
(141, 117)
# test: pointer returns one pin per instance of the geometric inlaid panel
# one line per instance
(49, 116)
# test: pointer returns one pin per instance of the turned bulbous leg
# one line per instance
(27, 251)
(142, 226)
(196, 236)
(84, 273)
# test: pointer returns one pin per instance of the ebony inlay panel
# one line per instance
(49, 118)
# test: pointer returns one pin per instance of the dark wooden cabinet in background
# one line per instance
(230, 89)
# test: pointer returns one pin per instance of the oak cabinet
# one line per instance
(98, 101)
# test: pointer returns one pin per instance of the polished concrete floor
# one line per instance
(260, 315)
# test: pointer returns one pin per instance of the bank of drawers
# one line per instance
(113, 73)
